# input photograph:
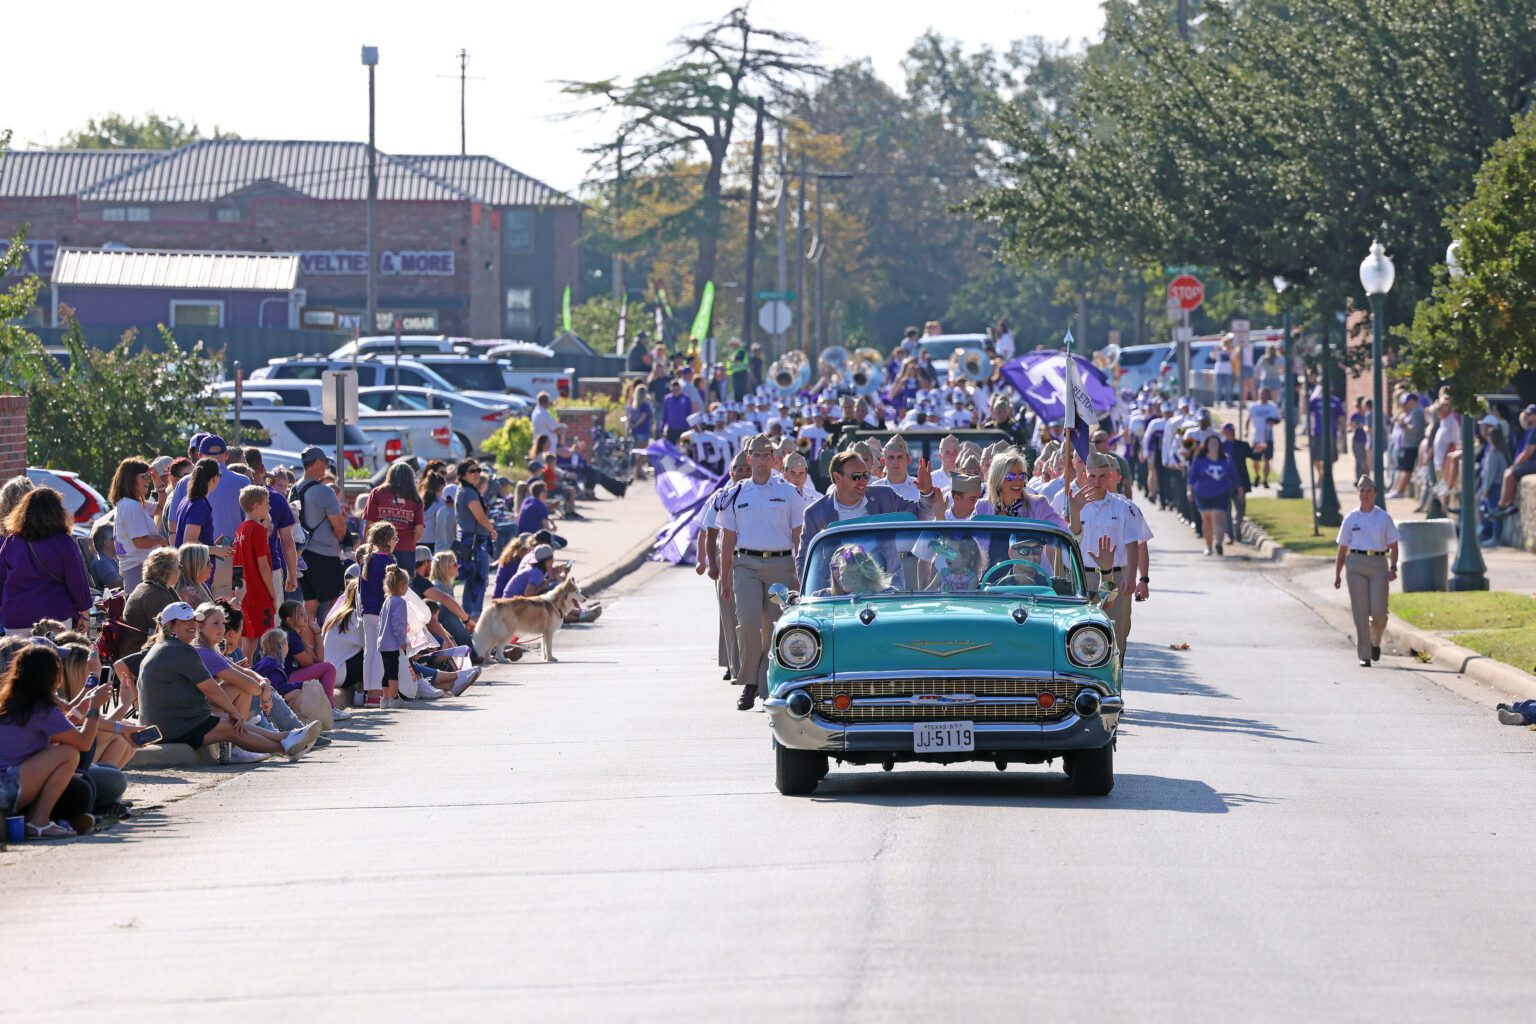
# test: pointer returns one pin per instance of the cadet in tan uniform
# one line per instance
(760, 531)
(1368, 559)
(1107, 516)
(708, 560)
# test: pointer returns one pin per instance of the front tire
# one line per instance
(797, 772)
(1092, 771)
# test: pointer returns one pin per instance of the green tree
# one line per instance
(120, 131)
(1478, 329)
(78, 418)
(692, 104)
(1276, 141)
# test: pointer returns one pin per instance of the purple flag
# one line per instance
(684, 487)
(681, 483)
(1041, 377)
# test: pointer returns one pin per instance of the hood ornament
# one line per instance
(943, 648)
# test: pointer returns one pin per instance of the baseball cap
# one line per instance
(177, 611)
(1530, 410)
(197, 440)
(313, 454)
(161, 463)
(423, 554)
(450, 492)
(212, 444)
(542, 552)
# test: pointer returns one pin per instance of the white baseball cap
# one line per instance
(178, 611)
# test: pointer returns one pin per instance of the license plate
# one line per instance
(943, 737)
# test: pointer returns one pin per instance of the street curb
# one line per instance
(1496, 674)
(627, 563)
(1255, 536)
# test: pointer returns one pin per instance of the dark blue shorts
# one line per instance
(1211, 504)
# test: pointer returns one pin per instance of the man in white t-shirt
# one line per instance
(1004, 343)
(544, 423)
(1262, 417)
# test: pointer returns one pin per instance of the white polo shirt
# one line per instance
(1368, 531)
(1117, 518)
(764, 516)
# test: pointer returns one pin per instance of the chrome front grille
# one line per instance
(945, 699)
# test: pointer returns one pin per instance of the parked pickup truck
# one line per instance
(396, 433)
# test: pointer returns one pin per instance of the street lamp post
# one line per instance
(1376, 276)
(1290, 479)
(371, 317)
(1328, 513)
(1470, 571)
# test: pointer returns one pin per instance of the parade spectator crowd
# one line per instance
(245, 611)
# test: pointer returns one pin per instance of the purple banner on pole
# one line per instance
(1041, 378)
(684, 487)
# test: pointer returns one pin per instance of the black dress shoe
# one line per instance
(1375, 653)
(1365, 664)
(727, 676)
(748, 698)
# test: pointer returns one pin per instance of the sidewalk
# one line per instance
(612, 541)
(1513, 570)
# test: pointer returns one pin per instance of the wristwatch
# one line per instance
(1145, 579)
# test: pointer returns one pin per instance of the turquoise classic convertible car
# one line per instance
(943, 642)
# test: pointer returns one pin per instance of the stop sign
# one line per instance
(1187, 291)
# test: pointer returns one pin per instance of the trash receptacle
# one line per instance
(1424, 554)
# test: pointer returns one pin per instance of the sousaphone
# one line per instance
(969, 364)
(791, 372)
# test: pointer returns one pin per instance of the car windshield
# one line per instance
(939, 351)
(471, 376)
(965, 557)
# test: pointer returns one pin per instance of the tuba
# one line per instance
(833, 364)
(969, 364)
(866, 375)
(791, 372)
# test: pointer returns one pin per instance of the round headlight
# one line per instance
(1088, 647)
(798, 648)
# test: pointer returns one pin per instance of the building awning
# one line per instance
(158, 268)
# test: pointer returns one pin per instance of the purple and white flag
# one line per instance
(684, 487)
(1041, 378)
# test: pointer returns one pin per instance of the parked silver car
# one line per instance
(474, 419)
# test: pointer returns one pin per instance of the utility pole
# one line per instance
(817, 338)
(800, 333)
(618, 209)
(748, 311)
(371, 321)
(464, 78)
(781, 211)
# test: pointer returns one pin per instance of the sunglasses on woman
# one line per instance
(1014, 478)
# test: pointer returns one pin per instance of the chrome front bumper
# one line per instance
(1070, 732)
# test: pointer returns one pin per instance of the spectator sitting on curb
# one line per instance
(178, 694)
(141, 612)
(100, 557)
(1520, 713)
(433, 583)
(40, 749)
(196, 575)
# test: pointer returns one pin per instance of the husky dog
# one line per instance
(525, 617)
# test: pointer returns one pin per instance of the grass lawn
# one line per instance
(1515, 647)
(1493, 610)
(1289, 522)
(1495, 624)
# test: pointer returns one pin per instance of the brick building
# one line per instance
(467, 245)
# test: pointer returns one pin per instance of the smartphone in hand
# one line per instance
(148, 734)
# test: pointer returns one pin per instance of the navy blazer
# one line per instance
(882, 499)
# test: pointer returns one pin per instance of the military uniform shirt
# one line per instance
(1117, 518)
(764, 516)
(1368, 531)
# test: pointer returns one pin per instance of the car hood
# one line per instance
(940, 634)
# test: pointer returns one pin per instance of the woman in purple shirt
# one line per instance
(1212, 481)
(40, 748)
(42, 575)
(194, 517)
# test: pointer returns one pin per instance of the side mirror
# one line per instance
(1106, 594)
(781, 595)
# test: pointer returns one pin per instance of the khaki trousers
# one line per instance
(730, 653)
(1366, 578)
(751, 576)
(1118, 610)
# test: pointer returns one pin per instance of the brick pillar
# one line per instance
(578, 428)
(13, 436)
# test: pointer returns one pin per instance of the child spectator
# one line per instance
(394, 633)
(252, 556)
(305, 660)
(374, 559)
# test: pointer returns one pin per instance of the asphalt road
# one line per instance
(1291, 837)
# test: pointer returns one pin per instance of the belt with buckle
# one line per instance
(1107, 572)
(1361, 551)
(763, 554)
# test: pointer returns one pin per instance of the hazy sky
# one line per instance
(286, 70)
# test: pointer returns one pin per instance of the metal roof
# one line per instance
(488, 181)
(215, 169)
(48, 173)
(156, 268)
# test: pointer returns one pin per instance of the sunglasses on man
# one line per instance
(858, 476)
